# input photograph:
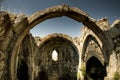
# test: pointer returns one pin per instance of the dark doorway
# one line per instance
(95, 70)
(42, 74)
(22, 70)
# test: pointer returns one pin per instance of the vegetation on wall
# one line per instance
(83, 71)
(116, 76)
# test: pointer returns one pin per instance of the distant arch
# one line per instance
(54, 35)
(63, 37)
(68, 55)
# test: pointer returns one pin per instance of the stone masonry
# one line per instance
(93, 55)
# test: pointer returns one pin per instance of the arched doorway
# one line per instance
(94, 69)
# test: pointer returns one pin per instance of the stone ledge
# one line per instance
(108, 78)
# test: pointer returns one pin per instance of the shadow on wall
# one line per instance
(94, 69)
(42, 75)
(22, 71)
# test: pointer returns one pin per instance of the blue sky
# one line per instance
(95, 8)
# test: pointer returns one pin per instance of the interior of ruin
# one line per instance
(93, 55)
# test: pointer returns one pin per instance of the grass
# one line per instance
(116, 76)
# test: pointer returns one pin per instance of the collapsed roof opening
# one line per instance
(62, 25)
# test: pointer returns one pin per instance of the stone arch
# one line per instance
(64, 37)
(86, 55)
(57, 11)
(57, 35)
(50, 36)
(88, 35)
(68, 56)
(101, 57)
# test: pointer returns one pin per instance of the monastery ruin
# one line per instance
(95, 55)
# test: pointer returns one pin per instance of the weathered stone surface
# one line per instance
(114, 31)
(20, 52)
(103, 23)
(68, 56)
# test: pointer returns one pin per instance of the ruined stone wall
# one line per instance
(6, 37)
(90, 50)
(36, 56)
(25, 68)
(14, 28)
(68, 56)
(114, 62)
(90, 46)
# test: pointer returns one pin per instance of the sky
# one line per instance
(95, 8)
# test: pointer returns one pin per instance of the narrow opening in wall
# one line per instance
(55, 55)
